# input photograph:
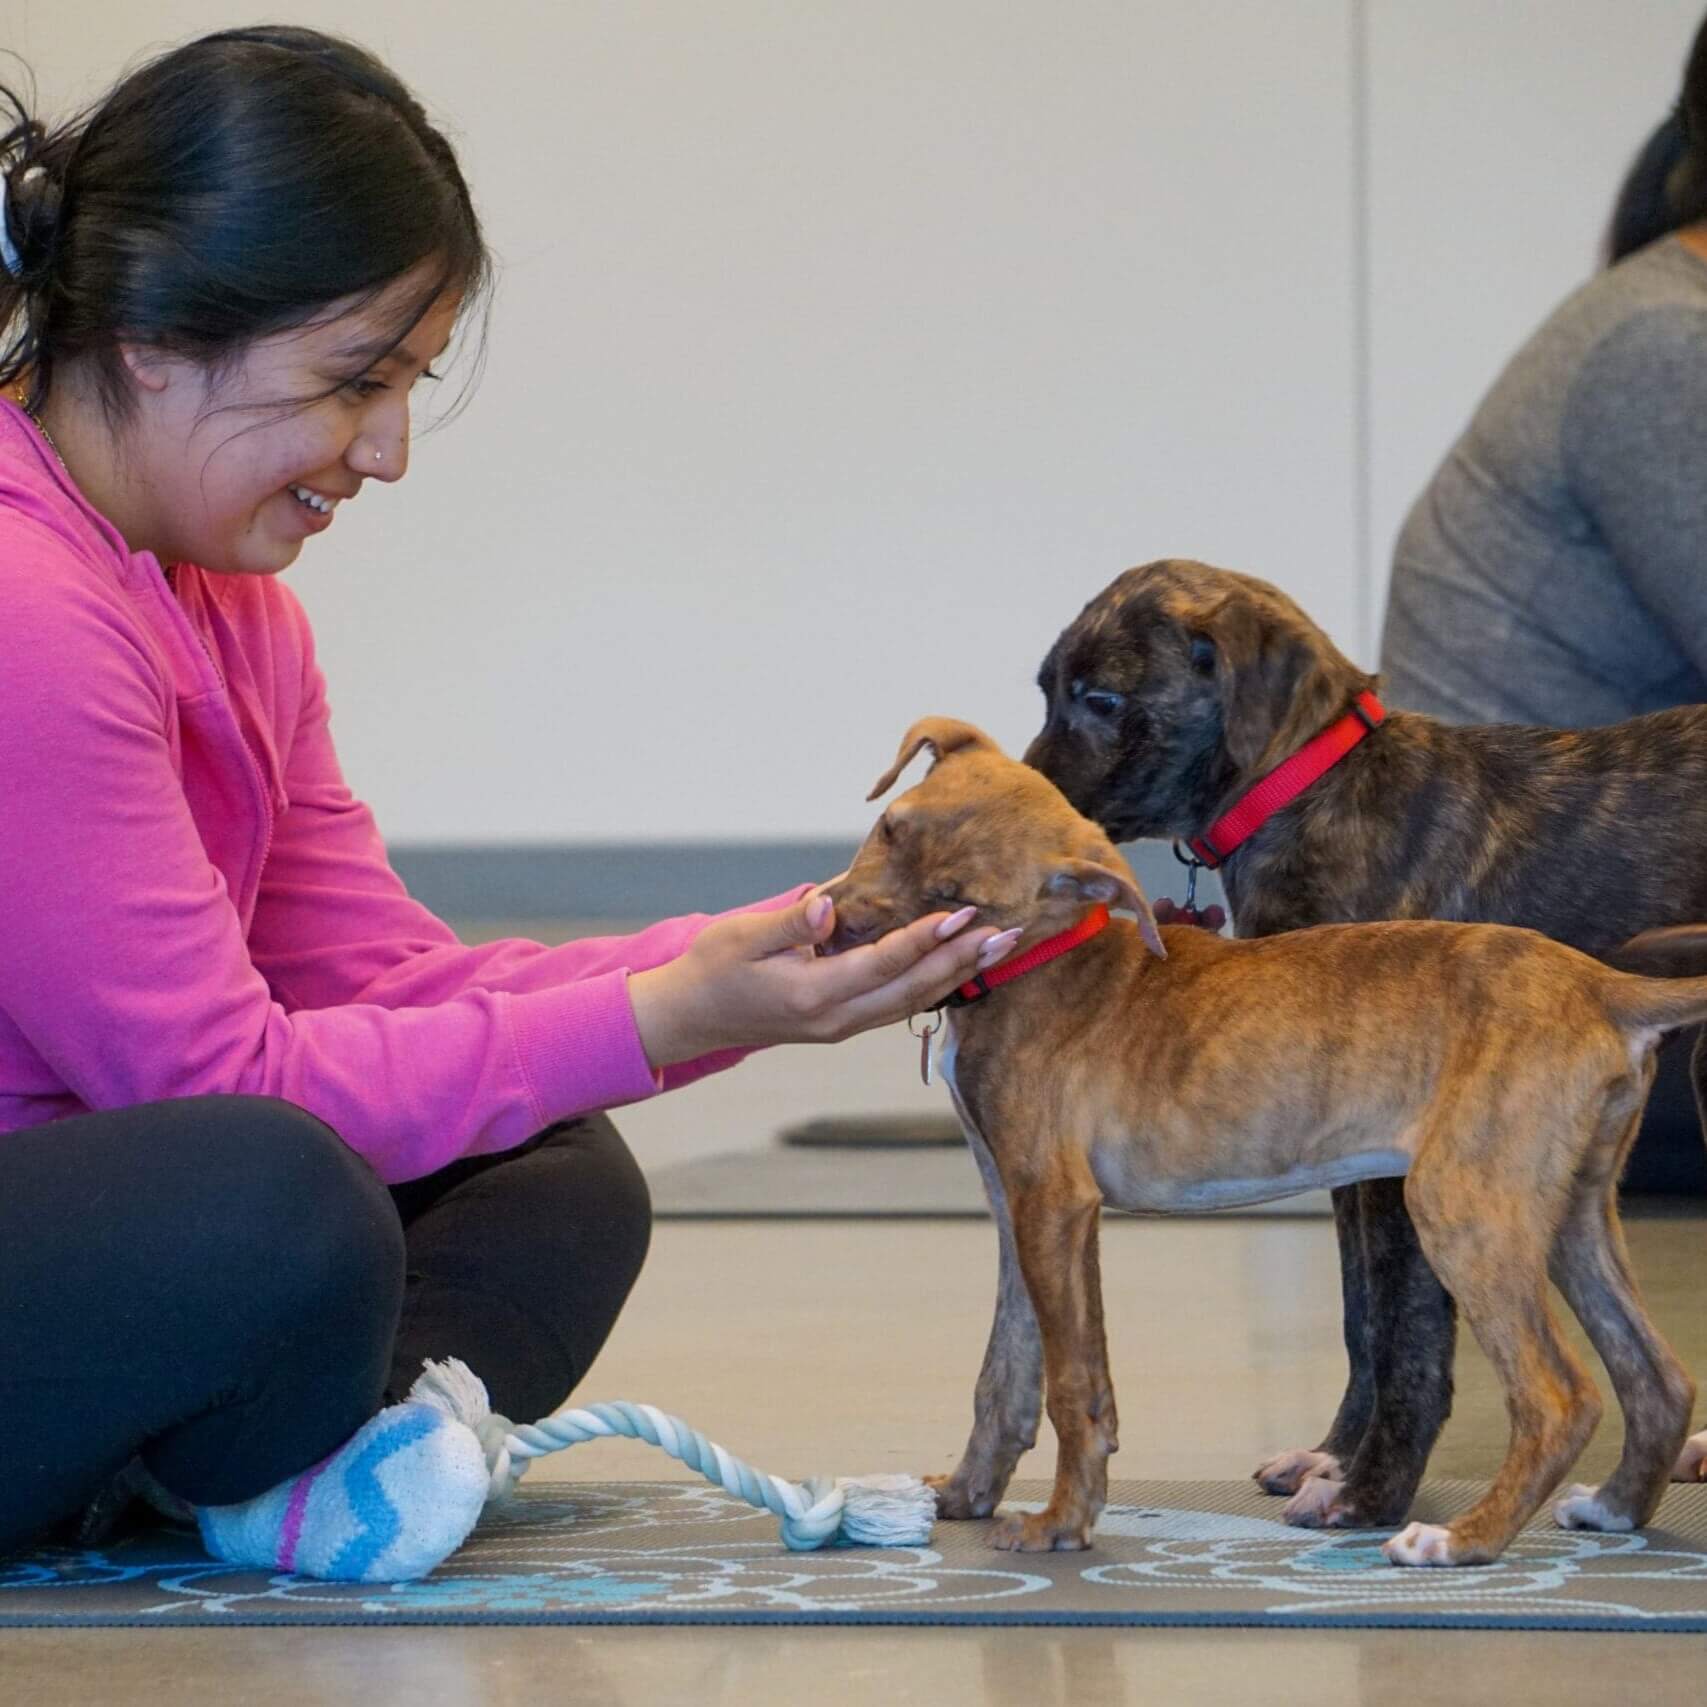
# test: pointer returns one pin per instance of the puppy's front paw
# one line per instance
(1038, 1532)
(1691, 1463)
(1286, 1472)
(1317, 1505)
(957, 1500)
(1581, 1508)
(1420, 1544)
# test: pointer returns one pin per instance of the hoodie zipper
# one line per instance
(256, 768)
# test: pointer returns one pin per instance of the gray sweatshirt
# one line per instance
(1555, 569)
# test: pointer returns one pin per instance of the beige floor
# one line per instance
(851, 1347)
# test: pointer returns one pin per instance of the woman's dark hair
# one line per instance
(1666, 186)
(228, 189)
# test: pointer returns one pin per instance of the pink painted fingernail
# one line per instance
(955, 922)
(817, 910)
(997, 946)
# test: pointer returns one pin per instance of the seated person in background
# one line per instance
(1554, 571)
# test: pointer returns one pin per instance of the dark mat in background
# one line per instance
(875, 1132)
(847, 1177)
(1181, 1553)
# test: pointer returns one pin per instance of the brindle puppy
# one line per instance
(1177, 688)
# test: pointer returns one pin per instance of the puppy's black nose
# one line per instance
(853, 930)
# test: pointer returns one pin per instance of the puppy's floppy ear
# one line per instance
(1280, 678)
(943, 735)
(1114, 885)
(1253, 683)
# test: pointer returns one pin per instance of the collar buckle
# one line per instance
(1370, 721)
(965, 994)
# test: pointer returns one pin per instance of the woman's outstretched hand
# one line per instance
(753, 979)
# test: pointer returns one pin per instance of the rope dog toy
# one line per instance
(866, 1511)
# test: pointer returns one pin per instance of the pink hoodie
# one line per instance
(192, 901)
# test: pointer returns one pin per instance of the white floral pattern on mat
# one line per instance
(1569, 1573)
(683, 1551)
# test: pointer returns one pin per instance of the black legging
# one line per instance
(224, 1288)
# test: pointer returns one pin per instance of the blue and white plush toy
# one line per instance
(397, 1499)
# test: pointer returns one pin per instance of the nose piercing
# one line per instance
(379, 456)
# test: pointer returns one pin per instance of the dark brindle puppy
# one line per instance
(1180, 686)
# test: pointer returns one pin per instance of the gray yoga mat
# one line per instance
(1191, 1553)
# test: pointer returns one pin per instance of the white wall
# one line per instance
(1497, 138)
(844, 347)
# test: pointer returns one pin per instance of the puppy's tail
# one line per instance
(1669, 983)
(1678, 951)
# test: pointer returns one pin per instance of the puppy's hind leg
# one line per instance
(1591, 1266)
(1009, 1394)
(1691, 1465)
(1488, 1240)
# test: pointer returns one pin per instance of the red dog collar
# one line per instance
(1039, 954)
(1288, 780)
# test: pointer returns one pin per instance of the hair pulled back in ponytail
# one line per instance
(1666, 186)
(228, 189)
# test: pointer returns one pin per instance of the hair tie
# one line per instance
(10, 259)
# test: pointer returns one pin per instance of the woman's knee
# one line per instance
(571, 1209)
(613, 1178)
(310, 1208)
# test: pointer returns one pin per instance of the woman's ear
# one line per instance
(1087, 881)
(149, 368)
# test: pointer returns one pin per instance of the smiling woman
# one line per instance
(270, 1135)
(217, 388)
(200, 486)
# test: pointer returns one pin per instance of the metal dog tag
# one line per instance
(924, 1038)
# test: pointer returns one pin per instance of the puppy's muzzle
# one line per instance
(856, 925)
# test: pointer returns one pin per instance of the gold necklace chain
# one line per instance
(166, 569)
(41, 427)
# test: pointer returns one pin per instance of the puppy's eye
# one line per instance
(886, 828)
(1203, 654)
(1100, 702)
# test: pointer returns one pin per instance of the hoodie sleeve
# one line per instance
(123, 963)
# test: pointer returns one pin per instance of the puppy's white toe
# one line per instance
(1312, 1507)
(1420, 1544)
(1286, 1472)
(1691, 1464)
(1580, 1508)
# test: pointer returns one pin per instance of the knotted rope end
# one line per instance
(887, 1511)
(860, 1511)
(452, 1388)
